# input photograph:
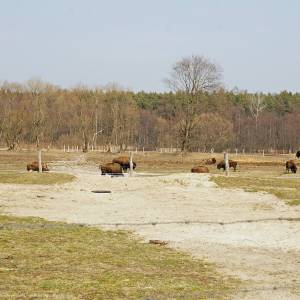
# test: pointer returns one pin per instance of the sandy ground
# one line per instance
(265, 255)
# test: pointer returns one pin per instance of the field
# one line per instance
(244, 237)
(53, 260)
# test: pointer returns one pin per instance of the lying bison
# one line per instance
(111, 168)
(209, 161)
(298, 154)
(290, 166)
(124, 161)
(34, 166)
(200, 169)
(232, 164)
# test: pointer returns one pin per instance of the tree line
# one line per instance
(196, 115)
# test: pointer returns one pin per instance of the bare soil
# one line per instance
(264, 254)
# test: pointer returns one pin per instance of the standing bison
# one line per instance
(232, 164)
(200, 169)
(290, 166)
(111, 168)
(124, 161)
(298, 154)
(34, 166)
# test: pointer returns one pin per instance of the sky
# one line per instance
(135, 42)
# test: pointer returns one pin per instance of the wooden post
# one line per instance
(226, 159)
(263, 152)
(64, 148)
(40, 161)
(236, 151)
(131, 164)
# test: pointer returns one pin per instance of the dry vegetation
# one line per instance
(13, 168)
(35, 178)
(264, 178)
(51, 260)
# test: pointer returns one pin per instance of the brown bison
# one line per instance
(200, 169)
(298, 154)
(209, 161)
(111, 168)
(232, 164)
(290, 166)
(124, 161)
(34, 166)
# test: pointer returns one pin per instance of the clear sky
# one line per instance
(135, 42)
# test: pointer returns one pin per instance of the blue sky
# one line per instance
(135, 42)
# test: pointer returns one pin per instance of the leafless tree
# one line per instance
(194, 74)
(190, 76)
(256, 107)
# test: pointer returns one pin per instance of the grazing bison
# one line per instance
(200, 169)
(34, 166)
(111, 168)
(232, 164)
(209, 161)
(124, 161)
(298, 154)
(290, 166)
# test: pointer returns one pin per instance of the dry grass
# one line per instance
(12, 177)
(47, 260)
(270, 180)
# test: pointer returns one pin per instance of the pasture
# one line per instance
(241, 230)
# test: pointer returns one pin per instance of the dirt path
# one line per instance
(264, 254)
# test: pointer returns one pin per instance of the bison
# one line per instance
(209, 161)
(298, 154)
(111, 168)
(34, 166)
(124, 161)
(232, 164)
(290, 166)
(200, 169)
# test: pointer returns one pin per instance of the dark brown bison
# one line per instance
(298, 154)
(34, 166)
(200, 169)
(232, 164)
(209, 161)
(111, 168)
(290, 166)
(124, 161)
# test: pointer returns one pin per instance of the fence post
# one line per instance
(131, 164)
(64, 148)
(226, 159)
(40, 161)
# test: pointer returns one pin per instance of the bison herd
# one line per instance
(117, 166)
(211, 161)
(122, 164)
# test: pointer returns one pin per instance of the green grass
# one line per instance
(285, 188)
(48, 260)
(34, 178)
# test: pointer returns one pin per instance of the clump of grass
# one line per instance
(287, 189)
(35, 178)
(64, 261)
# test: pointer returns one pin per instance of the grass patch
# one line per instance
(35, 178)
(52, 260)
(287, 189)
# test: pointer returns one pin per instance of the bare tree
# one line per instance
(190, 76)
(256, 106)
(194, 74)
(13, 114)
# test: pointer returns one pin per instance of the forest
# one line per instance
(195, 116)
